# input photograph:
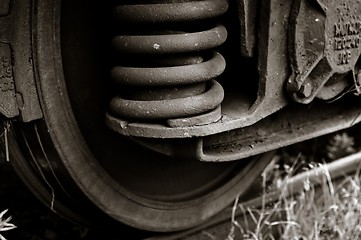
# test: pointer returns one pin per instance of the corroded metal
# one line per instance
(324, 48)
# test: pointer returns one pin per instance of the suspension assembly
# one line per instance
(170, 75)
(165, 86)
(159, 78)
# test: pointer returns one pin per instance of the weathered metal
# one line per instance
(238, 108)
(290, 36)
(169, 63)
(8, 104)
(169, 11)
(324, 48)
(171, 76)
(169, 120)
(171, 42)
(80, 168)
(169, 108)
(286, 127)
(18, 90)
(248, 19)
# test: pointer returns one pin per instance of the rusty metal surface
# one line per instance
(324, 49)
(16, 34)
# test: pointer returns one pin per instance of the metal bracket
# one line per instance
(324, 47)
(248, 26)
(8, 103)
(18, 93)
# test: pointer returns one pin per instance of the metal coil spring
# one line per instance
(169, 73)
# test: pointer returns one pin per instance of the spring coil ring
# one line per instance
(170, 12)
(170, 76)
(172, 43)
(173, 74)
(171, 108)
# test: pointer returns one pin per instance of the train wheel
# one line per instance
(79, 167)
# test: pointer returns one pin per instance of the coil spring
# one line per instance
(169, 73)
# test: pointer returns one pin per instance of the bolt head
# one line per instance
(305, 90)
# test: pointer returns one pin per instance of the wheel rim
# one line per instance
(132, 185)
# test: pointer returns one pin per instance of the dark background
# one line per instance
(33, 219)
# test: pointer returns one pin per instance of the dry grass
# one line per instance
(328, 210)
(333, 212)
(5, 224)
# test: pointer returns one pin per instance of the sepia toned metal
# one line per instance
(79, 168)
(157, 122)
(18, 94)
(8, 104)
(248, 19)
(324, 48)
(169, 108)
(239, 108)
(171, 76)
(171, 60)
(169, 11)
(172, 42)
